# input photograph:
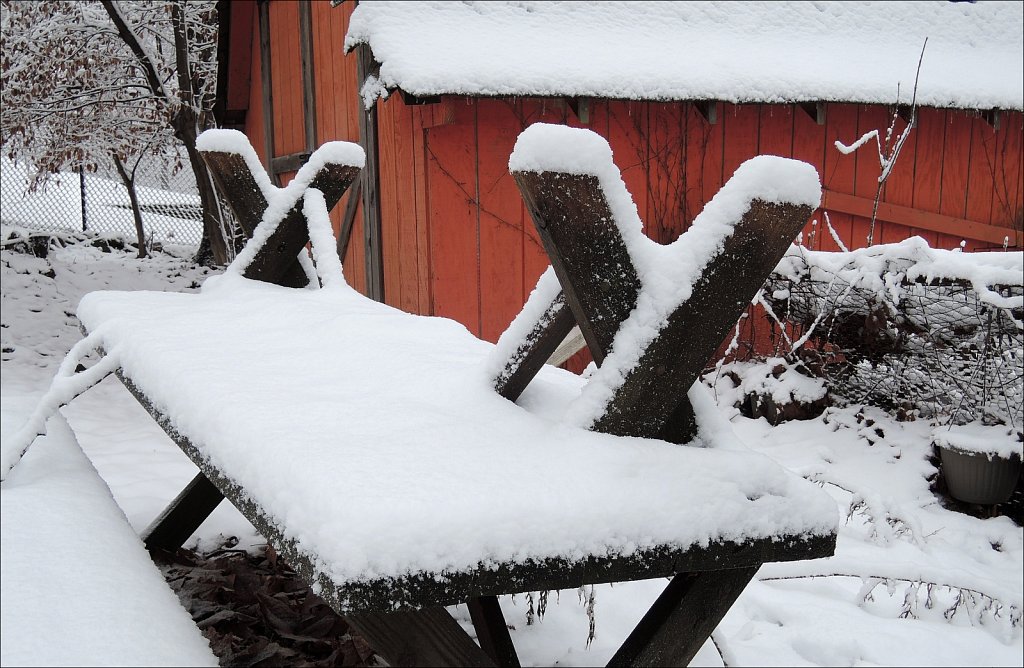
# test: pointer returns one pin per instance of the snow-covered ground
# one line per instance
(912, 583)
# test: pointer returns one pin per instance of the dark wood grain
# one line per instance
(683, 618)
(492, 631)
(427, 637)
(547, 334)
(183, 515)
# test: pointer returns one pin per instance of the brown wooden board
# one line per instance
(680, 621)
(586, 250)
(642, 405)
(427, 637)
(492, 631)
(183, 515)
(547, 334)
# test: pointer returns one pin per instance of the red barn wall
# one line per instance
(457, 241)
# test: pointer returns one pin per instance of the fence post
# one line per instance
(81, 186)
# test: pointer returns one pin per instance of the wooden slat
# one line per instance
(809, 146)
(454, 258)
(368, 138)
(388, 197)
(928, 167)
(267, 85)
(427, 637)
(237, 187)
(309, 122)
(840, 171)
(277, 255)
(289, 163)
(740, 124)
(867, 169)
(492, 631)
(547, 334)
(904, 215)
(578, 231)
(405, 207)
(183, 515)
(979, 178)
(682, 618)
(671, 363)
(500, 219)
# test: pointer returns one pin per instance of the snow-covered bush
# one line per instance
(909, 328)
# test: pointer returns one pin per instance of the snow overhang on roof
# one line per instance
(731, 51)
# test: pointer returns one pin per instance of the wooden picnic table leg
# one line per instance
(426, 637)
(547, 334)
(492, 631)
(183, 515)
(683, 618)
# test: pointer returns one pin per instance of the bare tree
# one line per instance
(87, 81)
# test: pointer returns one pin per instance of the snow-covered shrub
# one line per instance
(910, 328)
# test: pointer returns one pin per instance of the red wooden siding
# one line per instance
(458, 243)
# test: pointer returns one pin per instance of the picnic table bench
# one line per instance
(400, 464)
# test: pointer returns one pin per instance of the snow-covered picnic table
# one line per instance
(372, 450)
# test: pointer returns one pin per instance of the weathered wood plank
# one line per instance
(547, 334)
(492, 631)
(587, 252)
(372, 234)
(682, 618)
(274, 260)
(238, 187)
(183, 515)
(647, 399)
(427, 637)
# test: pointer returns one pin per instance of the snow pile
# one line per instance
(992, 440)
(79, 589)
(771, 52)
(667, 273)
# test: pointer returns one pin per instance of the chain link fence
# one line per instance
(168, 199)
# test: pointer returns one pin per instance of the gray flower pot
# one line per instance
(974, 477)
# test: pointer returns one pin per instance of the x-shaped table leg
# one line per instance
(600, 288)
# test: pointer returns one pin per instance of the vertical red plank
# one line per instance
(775, 134)
(740, 124)
(809, 146)
(389, 195)
(840, 171)
(1008, 198)
(713, 172)
(422, 189)
(870, 117)
(703, 157)
(956, 157)
(627, 135)
(501, 218)
(931, 130)
(666, 180)
(451, 158)
(254, 117)
(405, 209)
(980, 183)
(286, 79)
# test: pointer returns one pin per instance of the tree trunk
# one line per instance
(129, 183)
(213, 248)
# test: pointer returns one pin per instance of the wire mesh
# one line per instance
(939, 348)
(168, 200)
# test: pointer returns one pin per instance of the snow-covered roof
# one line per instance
(738, 52)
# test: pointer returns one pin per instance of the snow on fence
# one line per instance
(171, 211)
(910, 328)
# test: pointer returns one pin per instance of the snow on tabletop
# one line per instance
(667, 273)
(78, 587)
(992, 440)
(375, 440)
(738, 52)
